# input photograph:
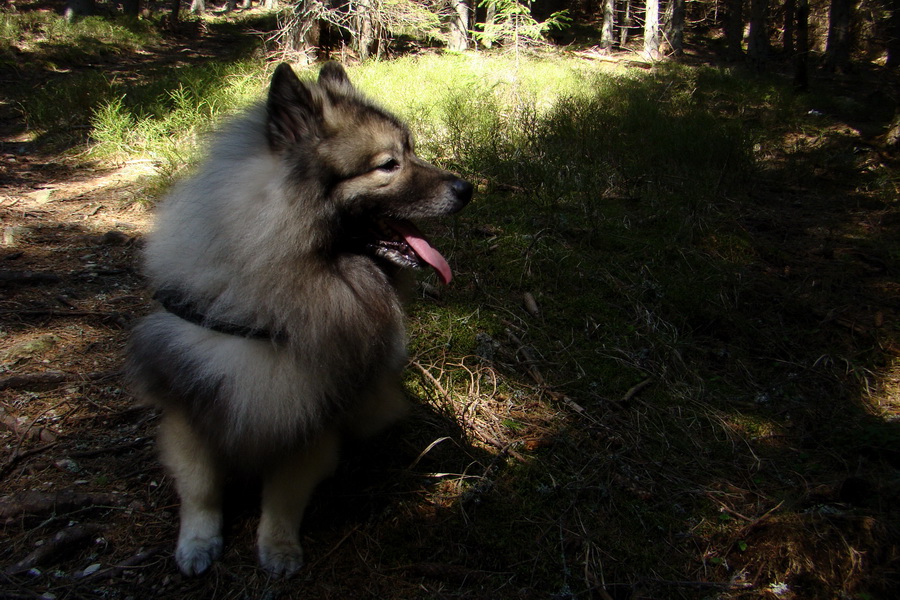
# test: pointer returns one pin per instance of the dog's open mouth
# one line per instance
(401, 242)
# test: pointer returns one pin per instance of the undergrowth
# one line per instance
(655, 380)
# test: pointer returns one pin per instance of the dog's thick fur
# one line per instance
(282, 327)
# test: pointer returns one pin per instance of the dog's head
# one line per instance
(362, 159)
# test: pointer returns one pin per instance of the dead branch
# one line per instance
(129, 563)
(619, 60)
(759, 520)
(111, 449)
(530, 360)
(49, 312)
(723, 585)
(36, 503)
(25, 429)
(635, 390)
(17, 457)
(437, 384)
(445, 572)
(64, 540)
(27, 278)
(53, 377)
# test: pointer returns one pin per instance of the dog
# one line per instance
(279, 267)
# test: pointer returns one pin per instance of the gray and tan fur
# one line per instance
(276, 236)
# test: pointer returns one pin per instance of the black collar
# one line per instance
(179, 305)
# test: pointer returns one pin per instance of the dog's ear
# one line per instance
(291, 110)
(333, 76)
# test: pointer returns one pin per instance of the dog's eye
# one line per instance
(388, 165)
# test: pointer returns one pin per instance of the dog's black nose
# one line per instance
(462, 189)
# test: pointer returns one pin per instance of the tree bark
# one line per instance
(302, 33)
(78, 8)
(624, 28)
(363, 34)
(801, 56)
(840, 35)
(131, 8)
(609, 24)
(651, 30)
(893, 45)
(758, 38)
(459, 27)
(175, 14)
(790, 19)
(675, 32)
(734, 29)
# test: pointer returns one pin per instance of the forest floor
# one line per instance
(87, 512)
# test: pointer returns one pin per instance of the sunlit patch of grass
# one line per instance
(163, 119)
(46, 39)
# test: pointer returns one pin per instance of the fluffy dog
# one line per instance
(278, 268)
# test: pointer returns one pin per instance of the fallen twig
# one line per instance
(110, 449)
(27, 278)
(635, 390)
(17, 457)
(51, 312)
(35, 503)
(724, 585)
(76, 534)
(334, 548)
(129, 563)
(24, 428)
(530, 360)
(444, 395)
(728, 509)
(53, 377)
(445, 572)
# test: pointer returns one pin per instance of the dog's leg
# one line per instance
(198, 479)
(286, 492)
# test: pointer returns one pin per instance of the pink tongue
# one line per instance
(423, 249)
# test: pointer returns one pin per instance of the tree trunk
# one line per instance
(301, 35)
(175, 14)
(131, 8)
(893, 45)
(459, 27)
(734, 29)
(676, 27)
(363, 34)
(758, 38)
(840, 35)
(609, 24)
(78, 8)
(490, 14)
(801, 66)
(790, 18)
(651, 30)
(624, 29)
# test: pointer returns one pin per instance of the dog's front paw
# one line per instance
(281, 558)
(195, 555)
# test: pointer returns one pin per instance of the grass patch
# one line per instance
(46, 40)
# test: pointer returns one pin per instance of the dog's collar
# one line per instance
(179, 305)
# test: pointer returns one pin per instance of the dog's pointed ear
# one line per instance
(291, 110)
(334, 76)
